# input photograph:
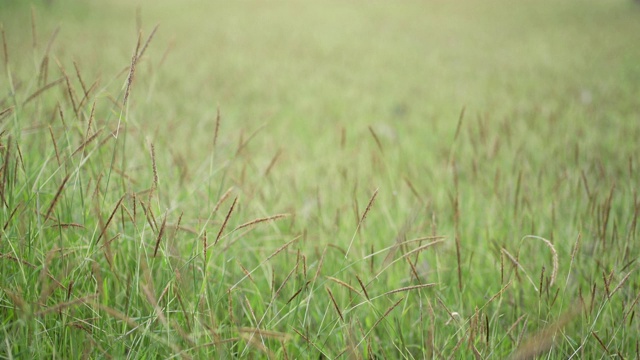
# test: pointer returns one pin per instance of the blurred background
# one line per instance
(327, 70)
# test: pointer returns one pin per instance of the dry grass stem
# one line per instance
(226, 219)
(243, 143)
(154, 165)
(284, 282)
(413, 189)
(421, 248)
(160, 234)
(69, 225)
(84, 87)
(517, 264)
(61, 114)
(55, 145)
(106, 225)
(89, 91)
(631, 308)
(273, 162)
(108, 242)
(624, 279)
(513, 326)
(363, 287)
(132, 70)
(13, 258)
(146, 43)
(409, 288)
(90, 122)
(56, 197)
(246, 272)
(542, 280)
(602, 344)
(338, 281)
(151, 217)
(112, 136)
(265, 333)
(42, 90)
(377, 140)
(87, 142)
(8, 221)
(70, 90)
(335, 304)
(320, 263)
(15, 173)
(453, 316)
(6, 112)
(576, 246)
(554, 253)
(364, 215)
(204, 246)
(215, 133)
(64, 305)
(124, 175)
(116, 314)
(257, 221)
(311, 343)
(414, 271)
(297, 293)
(175, 229)
(282, 248)
(386, 313)
(459, 126)
(43, 73)
(499, 293)
(222, 199)
(366, 211)
(420, 239)
(188, 229)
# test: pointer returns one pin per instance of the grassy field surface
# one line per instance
(320, 179)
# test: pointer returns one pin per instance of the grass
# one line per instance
(309, 180)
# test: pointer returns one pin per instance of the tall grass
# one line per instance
(140, 219)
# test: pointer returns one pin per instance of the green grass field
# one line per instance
(307, 179)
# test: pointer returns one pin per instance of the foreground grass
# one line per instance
(321, 192)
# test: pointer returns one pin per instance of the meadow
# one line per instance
(306, 179)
